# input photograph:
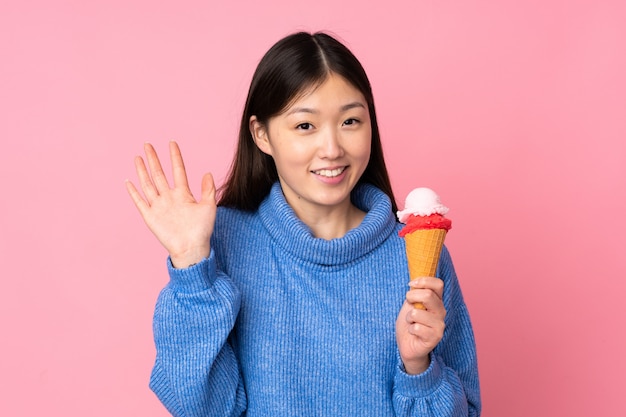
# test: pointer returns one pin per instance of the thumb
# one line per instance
(208, 189)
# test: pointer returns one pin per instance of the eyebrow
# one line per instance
(343, 108)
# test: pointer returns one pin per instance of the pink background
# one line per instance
(514, 111)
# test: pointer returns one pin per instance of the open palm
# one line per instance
(181, 223)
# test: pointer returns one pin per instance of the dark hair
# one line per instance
(291, 67)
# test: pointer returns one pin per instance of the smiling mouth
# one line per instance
(330, 173)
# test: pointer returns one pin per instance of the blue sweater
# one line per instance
(277, 322)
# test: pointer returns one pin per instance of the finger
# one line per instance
(423, 317)
(145, 181)
(178, 166)
(432, 283)
(430, 335)
(141, 205)
(427, 297)
(208, 189)
(156, 171)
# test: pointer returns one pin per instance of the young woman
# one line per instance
(289, 297)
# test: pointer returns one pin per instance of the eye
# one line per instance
(304, 126)
(350, 122)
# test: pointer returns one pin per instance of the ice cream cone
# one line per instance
(424, 232)
(422, 252)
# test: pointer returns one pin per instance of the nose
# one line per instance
(330, 144)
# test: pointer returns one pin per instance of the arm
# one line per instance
(196, 372)
(449, 386)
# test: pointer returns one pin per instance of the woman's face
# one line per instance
(320, 144)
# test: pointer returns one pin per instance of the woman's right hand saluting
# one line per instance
(182, 224)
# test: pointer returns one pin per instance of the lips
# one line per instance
(330, 173)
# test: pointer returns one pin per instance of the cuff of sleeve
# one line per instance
(419, 385)
(198, 277)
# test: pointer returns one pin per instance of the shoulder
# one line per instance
(235, 227)
(230, 220)
(446, 267)
(236, 232)
(452, 294)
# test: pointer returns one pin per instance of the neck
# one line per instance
(333, 222)
(296, 237)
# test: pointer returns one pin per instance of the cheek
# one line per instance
(289, 152)
(363, 147)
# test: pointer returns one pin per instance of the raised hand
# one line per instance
(419, 331)
(182, 224)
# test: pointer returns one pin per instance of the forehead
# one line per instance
(334, 90)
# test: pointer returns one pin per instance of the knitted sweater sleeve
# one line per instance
(196, 372)
(449, 387)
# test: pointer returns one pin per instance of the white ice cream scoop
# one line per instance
(421, 202)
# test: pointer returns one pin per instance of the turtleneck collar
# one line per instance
(296, 238)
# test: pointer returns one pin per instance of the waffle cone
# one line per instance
(423, 248)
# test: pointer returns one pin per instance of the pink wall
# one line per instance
(519, 111)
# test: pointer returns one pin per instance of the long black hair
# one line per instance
(291, 67)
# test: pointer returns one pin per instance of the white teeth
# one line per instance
(330, 172)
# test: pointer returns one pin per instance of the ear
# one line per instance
(259, 134)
